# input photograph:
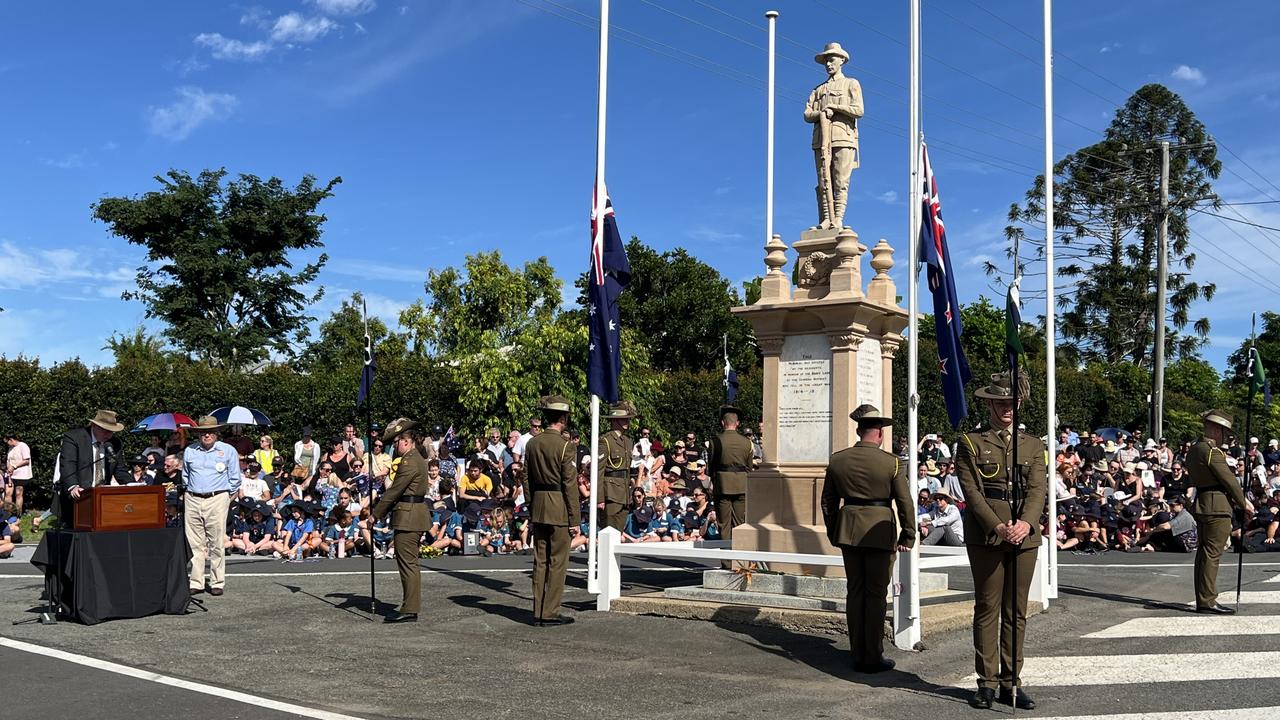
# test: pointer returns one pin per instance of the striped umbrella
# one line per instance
(163, 421)
(240, 415)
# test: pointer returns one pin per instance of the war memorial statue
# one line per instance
(834, 108)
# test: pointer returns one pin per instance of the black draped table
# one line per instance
(116, 574)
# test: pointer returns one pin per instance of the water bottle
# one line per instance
(297, 554)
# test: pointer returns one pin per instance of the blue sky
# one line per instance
(461, 126)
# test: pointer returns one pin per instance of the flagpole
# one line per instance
(1248, 433)
(1050, 324)
(593, 576)
(368, 423)
(906, 601)
(772, 15)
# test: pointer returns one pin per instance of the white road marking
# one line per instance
(1131, 669)
(1250, 597)
(1191, 626)
(1232, 714)
(149, 676)
(365, 573)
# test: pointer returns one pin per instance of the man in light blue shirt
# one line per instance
(211, 469)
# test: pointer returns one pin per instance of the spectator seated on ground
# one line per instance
(295, 538)
(172, 510)
(644, 520)
(1173, 530)
(253, 485)
(382, 536)
(501, 540)
(340, 537)
(942, 526)
(1066, 539)
(446, 528)
(258, 531)
(10, 533)
(476, 487)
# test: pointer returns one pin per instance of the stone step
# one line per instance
(806, 586)
(779, 600)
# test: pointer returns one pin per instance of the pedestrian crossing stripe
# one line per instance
(1232, 714)
(1071, 670)
(1193, 626)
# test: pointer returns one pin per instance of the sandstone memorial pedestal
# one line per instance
(828, 347)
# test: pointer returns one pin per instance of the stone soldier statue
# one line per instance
(551, 483)
(406, 500)
(834, 108)
(614, 470)
(865, 488)
(731, 454)
(1216, 491)
(996, 540)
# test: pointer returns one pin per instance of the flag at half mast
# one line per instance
(610, 273)
(952, 365)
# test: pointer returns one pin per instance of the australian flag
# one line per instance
(952, 364)
(610, 273)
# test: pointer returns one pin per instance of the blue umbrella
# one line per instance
(1111, 433)
(240, 415)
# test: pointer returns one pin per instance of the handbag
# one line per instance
(298, 472)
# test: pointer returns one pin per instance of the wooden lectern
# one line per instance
(123, 507)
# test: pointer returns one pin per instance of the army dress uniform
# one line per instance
(551, 481)
(405, 499)
(982, 463)
(731, 456)
(865, 488)
(1216, 491)
(614, 471)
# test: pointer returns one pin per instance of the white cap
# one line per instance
(1274, 442)
(1151, 444)
(1253, 441)
(930, 436)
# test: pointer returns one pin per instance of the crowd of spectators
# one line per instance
(1129, 494)
(316, 502)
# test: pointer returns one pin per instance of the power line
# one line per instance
(1237, 220)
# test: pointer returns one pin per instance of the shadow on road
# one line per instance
(1146, 603)
(349, 605)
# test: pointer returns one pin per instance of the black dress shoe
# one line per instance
(1023, 701)
(554, 621)
(216, 592)
(875, 666)
(399, 617)
(1216, 609)
(983, 698)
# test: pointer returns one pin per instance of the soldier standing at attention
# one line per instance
(406, 500)
(1216, 491)
(863, 487)
(996, 540)
(551, 481)
(614, 472)
(838, 104)
(731, 454)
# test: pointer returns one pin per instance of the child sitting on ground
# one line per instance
(295, 537)
(340, 537)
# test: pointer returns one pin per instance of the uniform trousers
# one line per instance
(205, 524)
(843, 159)
(1214, 530)
(614, 515)
(731, 511)
(866, 572)
(550, 561)
(996, 604)
(406, 543)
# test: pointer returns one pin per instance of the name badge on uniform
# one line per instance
(220, 466)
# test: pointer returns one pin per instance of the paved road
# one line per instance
(1117, 642)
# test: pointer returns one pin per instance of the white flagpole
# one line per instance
(1050, 329)
(593, 569)
(906, 599)
(772, 15)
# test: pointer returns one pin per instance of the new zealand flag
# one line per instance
(610, 273)
(946, 308)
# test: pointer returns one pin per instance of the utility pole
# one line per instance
(1162, 272)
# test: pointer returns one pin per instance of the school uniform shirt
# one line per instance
(297, 530)
(336, 532)
(259, 530)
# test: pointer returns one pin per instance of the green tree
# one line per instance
(140, 348)
(218, 260)
(1107, 217)
(679, 306)
(340, 342)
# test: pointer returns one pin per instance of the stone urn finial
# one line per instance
(881, 288)
(775, 255)
(776, 286)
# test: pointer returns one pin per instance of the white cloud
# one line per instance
(22, 269)
(1189, 74)
(360, 29)
(360, 268)
(225, 48)
(72, 161)
(294, 28)
(708, 235)
(888, 197)
(193, 108)
(1109, 47)
(256, 16)
(345, 7)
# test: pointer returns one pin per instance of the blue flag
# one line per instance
(610, 273)
(952, 364)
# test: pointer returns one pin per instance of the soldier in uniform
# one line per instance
(996, 541)
(731, 454)
(1216, 491)
(406, 500)
(839, 100)
(551, 480)
(614, 472)
(863, 488)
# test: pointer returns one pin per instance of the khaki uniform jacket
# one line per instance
(837, 92)
(614, 456)
(730, 449)
(982, 461)
(866, 472)
(1207, 470)
(409, 477)
(551, 480)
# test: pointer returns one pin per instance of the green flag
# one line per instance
(1257, 375)
(1012, 321)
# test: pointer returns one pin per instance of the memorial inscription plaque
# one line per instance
(870, 374)
(804, 399)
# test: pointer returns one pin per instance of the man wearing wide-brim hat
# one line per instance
(730, 461)
(864, 491)
(613, 470)
(211, 472)
(405, 499)
(87, 458)
(551, 485)
(1001, 539)
(1217, 490)
(836, 105)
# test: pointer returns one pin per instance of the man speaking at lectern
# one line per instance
(86, 459)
